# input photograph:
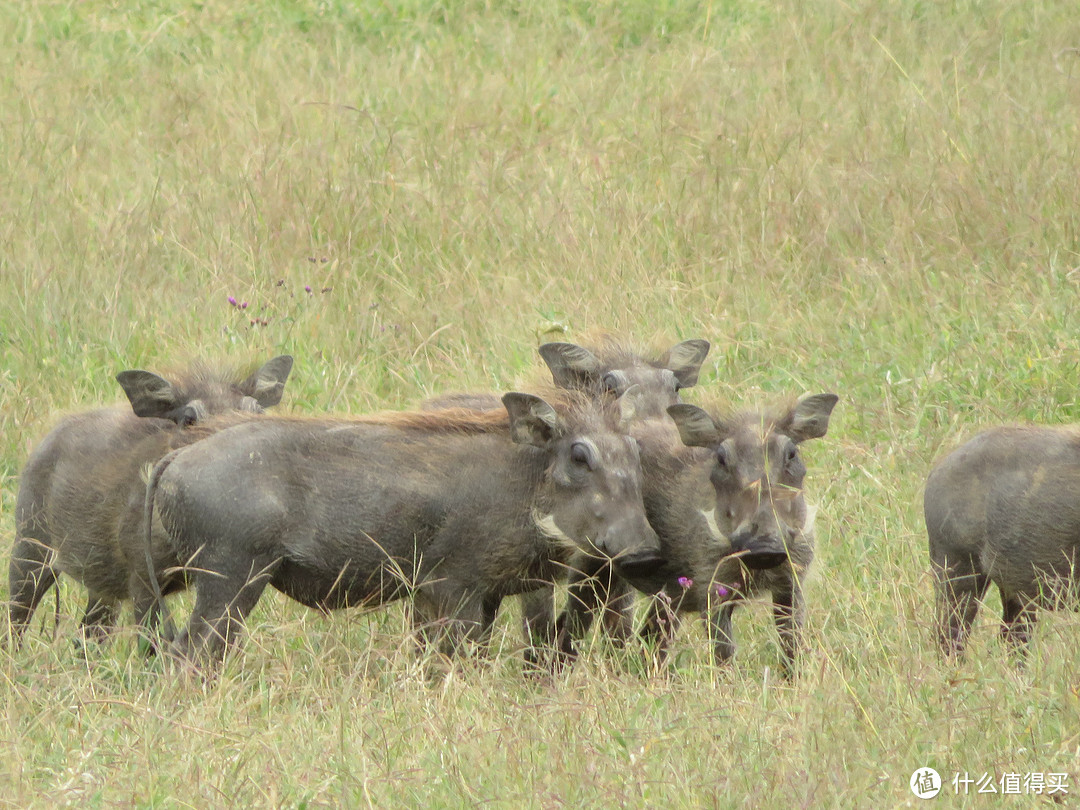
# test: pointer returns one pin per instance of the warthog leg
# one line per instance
(98, 619)
(958, 589)
(30, 576)
(661, 623)
(618, 616)
(720, 633)
(590, 592)
(1018, 617)
(538, 623)
(452, 620)
(789, 613)
(226, 591)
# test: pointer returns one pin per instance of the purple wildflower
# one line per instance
(243, 305)
(307, 289)
(721, 590)
(685, 582)
(232, 301)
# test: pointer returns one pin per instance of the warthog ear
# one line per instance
(266, 384)
(149, 394)
(532, 421)
(570, 364)
(696, 427)
(684, 361)
(809, 419)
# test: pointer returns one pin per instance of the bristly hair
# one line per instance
(215, 423)
(577, 409)
(770, 416)
(612, 351)
(615, 352)
(201, 379)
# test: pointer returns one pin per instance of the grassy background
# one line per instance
(876, 199)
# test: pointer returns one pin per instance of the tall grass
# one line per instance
(877, 199)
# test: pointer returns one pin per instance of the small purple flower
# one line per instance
(232, 301)
(685, 582)
(721, 590)
(243, 305)
(307, 289)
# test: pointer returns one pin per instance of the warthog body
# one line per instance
(610, 370)
(80, 504)
(1004, 508)
(458, 508)
(731, 516)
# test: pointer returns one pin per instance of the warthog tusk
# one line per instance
(714, 527)
(547, 526)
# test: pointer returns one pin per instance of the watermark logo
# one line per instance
(925, 783)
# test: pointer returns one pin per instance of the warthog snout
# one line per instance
(761, 550)
(632, 545)
(640, 563)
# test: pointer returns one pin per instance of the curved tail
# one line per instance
(148, 527)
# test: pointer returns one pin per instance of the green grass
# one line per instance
(879, 200)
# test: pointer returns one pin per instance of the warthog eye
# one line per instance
(194, 411)
(793, 465)
(722, 458)
(616, 382)
(582, 454)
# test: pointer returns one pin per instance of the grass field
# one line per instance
(875, 199)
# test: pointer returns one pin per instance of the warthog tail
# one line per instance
(148, 517)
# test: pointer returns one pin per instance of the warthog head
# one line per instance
(656, 384)
(757, 474)
(591, 499)
(203, 392)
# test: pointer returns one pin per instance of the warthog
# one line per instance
(611, 369)
(654, 386)
(458, 508)
(80, 504)
(1001, 508)
(614, 369)
(732, 519)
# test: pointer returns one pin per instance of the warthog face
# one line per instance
(655, 384)
(592, 497)
(758, 475)
(205, 393)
